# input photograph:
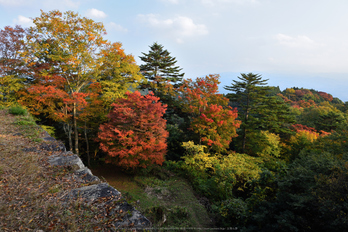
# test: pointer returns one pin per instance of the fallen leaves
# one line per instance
(31, 190)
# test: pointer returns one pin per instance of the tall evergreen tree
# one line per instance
(163, 76)
(275, 116)
(160, 71)
(258, 108)
(248, 93)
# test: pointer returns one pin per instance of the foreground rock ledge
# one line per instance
(95, 190)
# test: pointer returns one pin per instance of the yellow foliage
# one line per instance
(9, 85)
(309, 135)
(235, 164)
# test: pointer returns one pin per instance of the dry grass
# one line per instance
(30, 190)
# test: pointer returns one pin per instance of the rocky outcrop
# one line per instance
(94, 190)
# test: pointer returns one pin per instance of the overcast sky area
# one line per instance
(293, 43)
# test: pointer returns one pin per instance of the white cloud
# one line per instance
(13, 2)
(116, 27)
(180, 27)
(94, 13)
(170, 1)
(69, 3)
(300, 41)
(61, 3)
(211, 3)
(23, 21)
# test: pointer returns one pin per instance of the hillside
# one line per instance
(38, 194)
(31, 189)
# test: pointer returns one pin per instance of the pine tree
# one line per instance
(160, 66)
(163, 77)
(248, 93)
(259, 109)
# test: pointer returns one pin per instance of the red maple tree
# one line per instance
(135, 135)
(213, 120)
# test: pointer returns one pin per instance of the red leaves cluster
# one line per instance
(326, 96)
(213, 120)
(11, 44)
(302, 129)
(135, 135)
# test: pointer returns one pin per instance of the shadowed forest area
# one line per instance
(255, 159)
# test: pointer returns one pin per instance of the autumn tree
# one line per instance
(118, 74)
(75, 54)
(135, 135)
(12, 66)
(212, 119)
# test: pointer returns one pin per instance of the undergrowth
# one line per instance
(167, 200)
(17, 110)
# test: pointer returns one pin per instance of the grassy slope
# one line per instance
(166, 200)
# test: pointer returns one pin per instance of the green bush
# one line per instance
(230, 212)
(17, 110)
(49, 129)
(25, 123)
(215, 176)
(310, 196)
(264, 144)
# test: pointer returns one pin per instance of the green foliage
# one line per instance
(264, 144)
(49, 129)
(231, 212)
(274, 115)
(17, 110)
(25, 122)
(324, 117)
(216, 176)
(159, 64)
(248, 93)
(9, 85)
(119, 74)
(304, 201)
(335, 143)
(178, 133)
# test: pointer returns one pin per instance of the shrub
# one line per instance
(49, 129)
(264, 144)
(17, 110)
(216, 176)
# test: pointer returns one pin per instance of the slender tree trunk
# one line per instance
(70, 139)
(87, 147)
(245, 125)
(67, 130)
(76, 131)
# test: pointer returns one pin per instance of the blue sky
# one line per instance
(301, 43)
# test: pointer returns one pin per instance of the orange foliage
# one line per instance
(135, 135)
(11, 44)
(308, 132)
(213, 120)
(327, 97)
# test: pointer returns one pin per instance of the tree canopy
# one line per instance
(160, 66)
(248, 93)
(68, 53)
